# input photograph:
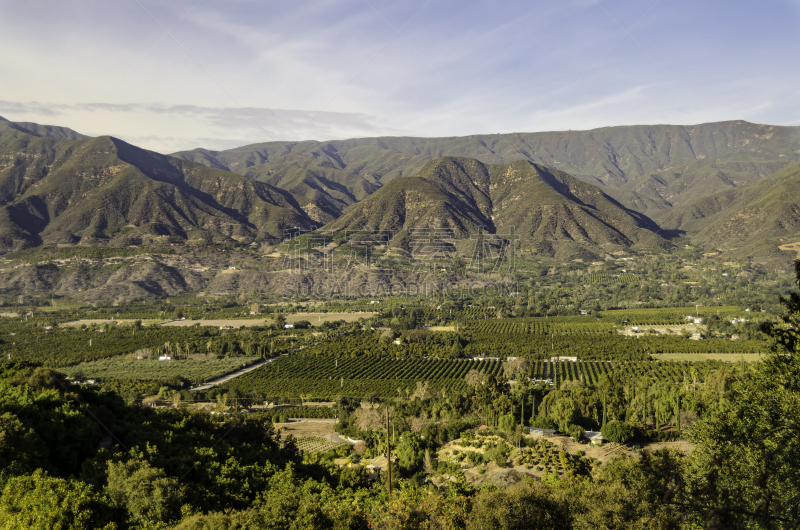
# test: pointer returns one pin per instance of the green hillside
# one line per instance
(46, 131)
(55, 189)
(650, 168)
(609, 155)
(552, 212)
(754, 219)
(564, 193)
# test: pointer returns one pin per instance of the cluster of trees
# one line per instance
(62, 346)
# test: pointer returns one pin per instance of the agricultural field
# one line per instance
(665, 316)
(40, 339)
(317, 444)
(315, 319)
(604, 277)
(608, 337)
(320, 318)
(99, 322)
(326, 378)
(386, 378)
(153, 370)
(695, 357)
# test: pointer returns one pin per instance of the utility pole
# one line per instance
(388, 455)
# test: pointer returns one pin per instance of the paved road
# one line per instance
(338, 439)
(215, 382)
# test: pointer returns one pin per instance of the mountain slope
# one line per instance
(551, 211)
(61, 190)
(44, 131)
(659, 194)
(768, 209)
(647, 167)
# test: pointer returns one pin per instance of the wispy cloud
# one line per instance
(247, 71)
(234, 126)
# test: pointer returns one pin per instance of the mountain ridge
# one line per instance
(58, 186)
(556, 213)
(60, 191)
(629, 161)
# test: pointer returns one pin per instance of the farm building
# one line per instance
(571, 359)
(542, 432)
(594, 437)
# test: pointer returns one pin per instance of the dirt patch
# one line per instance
(97, 321)
(316, 319)
(234, 323)
(795, 247)
(307, 429)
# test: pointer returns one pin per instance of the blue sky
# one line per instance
(184, 74)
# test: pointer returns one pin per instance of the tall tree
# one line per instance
(745, 469)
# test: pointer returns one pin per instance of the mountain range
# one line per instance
(728, 185)
(59, 187)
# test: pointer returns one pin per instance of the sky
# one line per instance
(183, 74)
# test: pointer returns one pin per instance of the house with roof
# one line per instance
(594, 437)
(536, 431)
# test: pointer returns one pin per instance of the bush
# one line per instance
(617, 431)
(657, 436)
(576, 432)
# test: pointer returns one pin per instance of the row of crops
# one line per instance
(608, 320)
(590, 371)
(388, 378)
(605, 277)
(326, 378)
(600, 346)
(539, 326)
(667, 316)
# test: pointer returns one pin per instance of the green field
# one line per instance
(326, 378)
(152, 370)
(385, 378)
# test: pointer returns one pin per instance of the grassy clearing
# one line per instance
(442, 328)
(150, 370)
(730, 357)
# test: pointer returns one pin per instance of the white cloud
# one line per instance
(459, 67)
(233, 126)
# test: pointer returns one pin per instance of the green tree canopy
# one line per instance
(617, 432)
(39, 501)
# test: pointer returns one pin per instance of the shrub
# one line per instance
(576, 432)
(617, 431)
